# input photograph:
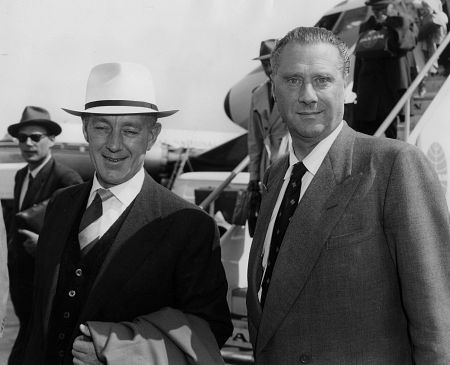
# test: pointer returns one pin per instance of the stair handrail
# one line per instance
(216, 192)
(408, 93)
(179, 166)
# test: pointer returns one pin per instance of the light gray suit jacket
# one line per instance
(363, 274)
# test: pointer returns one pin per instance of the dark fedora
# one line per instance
(35, 115)
(266, 48)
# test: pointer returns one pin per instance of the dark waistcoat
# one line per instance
(76, 276)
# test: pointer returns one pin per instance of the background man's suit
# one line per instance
(363, 274)
(266, 130)
(159, 257)
(50, 178)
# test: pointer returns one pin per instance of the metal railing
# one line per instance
(406, 98)
(216, 192)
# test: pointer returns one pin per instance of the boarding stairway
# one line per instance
(433, 85)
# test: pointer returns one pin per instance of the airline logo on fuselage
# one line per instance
(436, 156)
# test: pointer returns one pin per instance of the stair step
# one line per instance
(426, 97)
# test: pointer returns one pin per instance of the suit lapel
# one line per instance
(315, 217)
(271, 190)
(60, 230)
(120, 264)
(35, 191)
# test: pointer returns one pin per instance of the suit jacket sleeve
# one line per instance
(167, 336)
(255, 142)
(201, 285)
(4, 279)
(417, 229)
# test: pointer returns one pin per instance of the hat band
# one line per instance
(143, 104)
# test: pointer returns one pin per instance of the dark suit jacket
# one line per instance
(380, 82)
(166, 253)
(363, 274)
(50, 178)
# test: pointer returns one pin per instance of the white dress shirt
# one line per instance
(312, 163)
(123, 195)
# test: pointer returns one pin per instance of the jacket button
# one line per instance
(305, 358)
(66, 315)
(72, 293)
(78, 272)
(61, 336)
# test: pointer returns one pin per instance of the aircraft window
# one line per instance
(328, 21)
(348, 27)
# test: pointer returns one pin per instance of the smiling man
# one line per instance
(349, 261)
(127, 272)
(34, 184)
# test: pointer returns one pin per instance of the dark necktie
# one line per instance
(286, 211)
(90, 222)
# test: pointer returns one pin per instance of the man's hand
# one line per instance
(83, 350)
(30, 243)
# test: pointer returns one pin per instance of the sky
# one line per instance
(195, 49)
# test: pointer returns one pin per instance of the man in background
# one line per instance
(34, 184)
(267, 133)
(380, 82)
(4, 277)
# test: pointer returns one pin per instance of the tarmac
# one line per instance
(9, 334)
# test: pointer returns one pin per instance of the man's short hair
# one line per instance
(311, 35)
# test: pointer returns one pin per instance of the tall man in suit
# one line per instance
(266, 129)
(267, 132)
(350, 259)
(34, 184)
(121, 248)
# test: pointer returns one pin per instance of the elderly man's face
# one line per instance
(309, 90)
(34, 152)
(118, 144)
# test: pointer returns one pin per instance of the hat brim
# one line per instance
(378, 3)
(265, 57)
(120, 110)
(53, 129)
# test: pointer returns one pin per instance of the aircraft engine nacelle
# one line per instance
(238, 99)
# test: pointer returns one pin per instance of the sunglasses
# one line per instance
(35, 137)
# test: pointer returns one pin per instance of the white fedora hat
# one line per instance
(120, 88)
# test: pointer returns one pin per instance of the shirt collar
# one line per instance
(35, 171)
(315, 158)
(125, 192)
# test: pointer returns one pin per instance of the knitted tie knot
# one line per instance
(298, 171)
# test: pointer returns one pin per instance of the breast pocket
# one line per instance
(350, 238)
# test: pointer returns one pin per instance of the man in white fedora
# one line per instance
(126, 272)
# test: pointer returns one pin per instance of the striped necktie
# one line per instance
(89, 231)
